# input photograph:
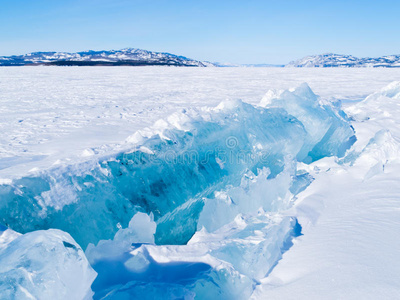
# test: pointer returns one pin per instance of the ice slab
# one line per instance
(44, 264)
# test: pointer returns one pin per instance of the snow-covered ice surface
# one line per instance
(173, 194)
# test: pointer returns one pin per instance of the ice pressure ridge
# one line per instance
(191, 207)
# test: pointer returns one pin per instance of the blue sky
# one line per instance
(251, 31)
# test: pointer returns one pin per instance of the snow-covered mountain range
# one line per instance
(345, 61)
(128, 56)
(139, 57)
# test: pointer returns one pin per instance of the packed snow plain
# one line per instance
(157, 182)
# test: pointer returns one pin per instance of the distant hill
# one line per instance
(331, 60)
(124, 57)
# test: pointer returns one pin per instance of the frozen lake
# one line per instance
(287, 193)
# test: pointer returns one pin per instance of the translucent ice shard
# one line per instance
(43, 265)
(328, 134)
